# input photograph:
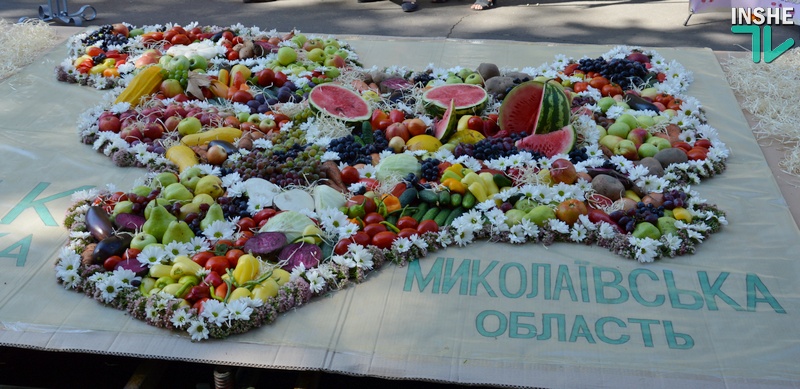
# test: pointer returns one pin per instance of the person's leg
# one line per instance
(481, 5)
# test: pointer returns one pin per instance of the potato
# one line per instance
(608, 186)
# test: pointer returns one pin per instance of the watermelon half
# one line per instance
(467, 98)
(556, 142)
(534, 107)
(339, 102)
(446, 126)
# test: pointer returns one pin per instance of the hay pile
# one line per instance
(21, 44)
(771, 93)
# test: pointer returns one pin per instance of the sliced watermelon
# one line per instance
(468, 99)
(534, 107)
(550, 144)
(446, 126)
(339, 102)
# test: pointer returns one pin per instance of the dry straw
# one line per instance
(22, 43)
(770, 93)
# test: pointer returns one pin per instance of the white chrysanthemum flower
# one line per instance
(152, 255)
(198, 330)
(332, 219)
(614, 112)
(329, 156)
(175, 249)
(257, 203)
(444, 238)
(126, 277)
(622, 163)
(516, 234)
(315, 281)
(347, 230)
(198, 244)
(586, 223)
(672, 241)
(646, 248)
(361, 256)
(606, 231)
(298, 271)
(401, 245)
(463, 237)
(344, 260)
(636, 172)
(215, 312)
(180, 318)
(99, 277)
(417, 241)
(70, 278)
(578, 233)
(367, 171)
(219, 230)
(558, 226)
(530, 228)
(326, 271)
(239, 309)
(109, 288)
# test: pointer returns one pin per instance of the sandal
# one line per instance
(483, 4)
(409, 6)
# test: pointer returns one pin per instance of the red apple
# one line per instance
(562, 170)
(490, 127)
(120, 29)
(216, 155)
(397, 129)
(638, 136)
(131, 134)
(570, 210)
(475, 123)
(170, 87)
(397, 116)
(109, 123)
(265, 77)
(153, 131)
(172, 123)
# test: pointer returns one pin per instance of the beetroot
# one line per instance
(129, 221)
(264, 243)
(134, 266)
(308, 254)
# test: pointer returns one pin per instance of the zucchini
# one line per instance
(408, 197)
(455, 200)
(469, 200)
(431, 214)
(422, 208)
(444, 198)
(428, 196)
(453, 215)
(441, 217)
(501, 180)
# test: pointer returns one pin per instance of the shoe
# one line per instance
(367, 1)
(409, 6)
(483, 4)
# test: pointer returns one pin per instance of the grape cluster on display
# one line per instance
(622, 71)
(353, 153)
(103, 37)
(490, 148)
(430, 169)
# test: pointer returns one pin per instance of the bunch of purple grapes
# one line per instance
(140, 202)
(674, 199)
(641, 213)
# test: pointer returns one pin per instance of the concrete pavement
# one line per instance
(653, 23)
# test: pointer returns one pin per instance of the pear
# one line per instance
(125, 206)
(666, 225)
(178, 231)
(164, 179)
(142, 190)
(188, 208)
(191, 176)
(205, 198)
(214, 213)
(158, 222)
(152, 204)
(210, 185)
(646, 230)
(540, 215)
(514, 217)
(177, 192)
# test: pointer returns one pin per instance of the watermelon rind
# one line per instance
(534, 107)
(552, 143)
(339, 102)
(469, 99)
(446, 126)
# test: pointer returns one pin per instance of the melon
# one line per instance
(446, 126)
(339, 102)
(534, 107)
(468, 99)
(552, 143)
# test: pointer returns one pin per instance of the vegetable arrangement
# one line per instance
(294, 172)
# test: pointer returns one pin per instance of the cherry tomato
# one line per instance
(475, 123)
(350, 175)
(682, 145)
(233, 256)
(237, 39)
(264, 214)
(383, 239)
(361, 238)
(93, 51)
(373, 218)
(246, 224)
(341, 246)
(704, 143)
(218, 263)
(373, 229)
(169, 35)
(697, 154)
(580, 86)
(131, 253)
(180, 39)
(111, 262)
(202, 257)
(569, 69)
(427, 226)
(369, 183)
(611, 90)
(406, 222)
(407, 232)
(227, 35)
(675, 104)
(280, 79)
(598, 82)
(232, 55)
(226, 242)
(242, 240)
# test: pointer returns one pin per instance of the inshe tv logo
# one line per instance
(758, 22)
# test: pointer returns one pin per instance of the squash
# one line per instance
(145, 83)
(228, 134)
(182, 156)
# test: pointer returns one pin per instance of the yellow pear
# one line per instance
(210, 185)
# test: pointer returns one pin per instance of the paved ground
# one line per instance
(653, 23)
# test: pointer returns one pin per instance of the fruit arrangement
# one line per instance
(315, 171)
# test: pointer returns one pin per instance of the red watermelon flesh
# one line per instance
(550, 144)
(339, 102)
(466, 98)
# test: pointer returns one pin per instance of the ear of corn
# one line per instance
(145, 83)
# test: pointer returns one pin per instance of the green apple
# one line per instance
(189, 125)
(286, 55)
(161, 180)
(646, 230)
(330, 49)
(623, 105)
(605, 103)
(525, 204)
(342, 53)
(610, 141)
(627, 149)
(142, 240)
(198, 62)
(142, 190)
(628, 119)
(464, 73)
(649, 93)
(474, 79)
(331, 42)
(647, 150)
(659, 142)
(454, 80)
(666, 225)
(514, 217)
(601, 130)
(620, 129)
(179, 62)
(645, 121)
(541, 214)
(243, 116)
(164, 60)
(332, 72)
(316, 54)
(299, 40)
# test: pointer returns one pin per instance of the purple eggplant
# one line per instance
(98, 223)
(113, 245)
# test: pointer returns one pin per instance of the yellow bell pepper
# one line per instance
(455, 186)
(247, 269)
(183, 266)
(478, 190)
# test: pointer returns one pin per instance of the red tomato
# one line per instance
(341, 246)
(246, 224)
(396, 116)
(202, 257)
(373, 218)
(361, 238)
(675, 104)
(407, 233)
(350, 175)
(611, 90)
(697, 154)
(242, 240)
(373, 229)
(237, 39)
(264, 214)
(131, 253)
(383, 239)
(580, 86)
(704, 143)
(475, 123)
(427, 226)
(180, 39)
(169, 35)
(406, 222)
(227, 35)
(233, 256)
(111, 262)
(569, 69)
(682, 145)
(598, 82)
(232, 55)
(94, 51)
(369, 183)
(280, 79)
(218, 263)
(226, 242)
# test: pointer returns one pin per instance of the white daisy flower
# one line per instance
(152, 255)
(215, 312)
(239, 309)
(401, 245)
(180, 318)
(219, 230)
(198, 330)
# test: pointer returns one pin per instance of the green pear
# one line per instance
(191, 172)
(177, 192)
(525, 204)
(125, 206)
(628, 119)
(177, 231)
(149, 207)
(605, 103)
(188, 208)
(164, 179)
(646, 230)
(541, 214)
(158, 222)
(210, 185)
(666, 225)
(213, 214)
(514, 217)
(203, 198)
(142, 190)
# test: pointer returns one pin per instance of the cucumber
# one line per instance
(469, 200)
(453, 215)
(501, 180)
(441, 217)
(393, 217)
(408, 197)
(455, 200)
(444, 198)
(431, 214)
(422, 208)
(428, 196)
